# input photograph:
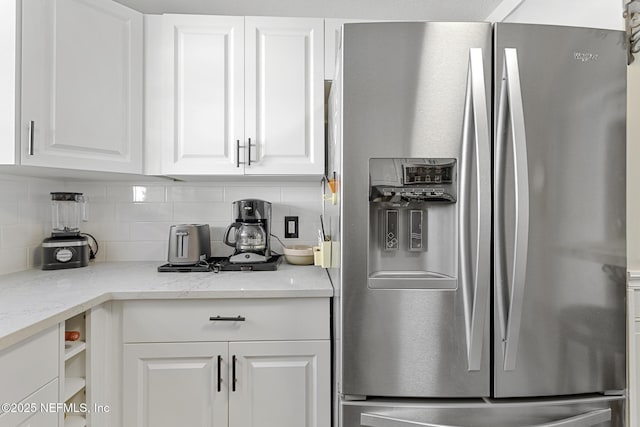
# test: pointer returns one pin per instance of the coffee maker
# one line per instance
(66, 248)
(251, 238)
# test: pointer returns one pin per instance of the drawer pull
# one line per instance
(228, 319)
(234, 380)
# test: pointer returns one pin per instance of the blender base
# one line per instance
(65, 252)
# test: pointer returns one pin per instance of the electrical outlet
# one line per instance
(291, 227)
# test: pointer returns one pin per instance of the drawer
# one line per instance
(25, 410)
(189, 320)
(28, 365)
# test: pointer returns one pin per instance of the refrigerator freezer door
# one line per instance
(591, 410)
(559, 210)
(405, 87)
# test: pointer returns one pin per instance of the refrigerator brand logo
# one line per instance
(585, 56)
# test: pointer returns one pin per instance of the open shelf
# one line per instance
(74, 369)
(71, 348)
(73, 385)
(75, 421)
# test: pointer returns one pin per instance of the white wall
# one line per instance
(24, 217)
(580, 13)
(131, 220)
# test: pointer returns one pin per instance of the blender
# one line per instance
(66, 248)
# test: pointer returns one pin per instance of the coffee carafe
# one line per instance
(250, 231)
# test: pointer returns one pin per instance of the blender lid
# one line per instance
(65, 196)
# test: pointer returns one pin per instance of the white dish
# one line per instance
(299, 254)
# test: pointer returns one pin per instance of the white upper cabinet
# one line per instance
(81, 85)
(284, 108)
(8, 48)
(195, 93)
(233, 95)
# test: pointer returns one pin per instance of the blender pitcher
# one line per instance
(67, 210)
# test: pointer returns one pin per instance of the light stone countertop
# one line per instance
(33, 300)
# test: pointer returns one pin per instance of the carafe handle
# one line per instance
(235, 225)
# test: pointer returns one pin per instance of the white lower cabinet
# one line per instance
(31, 411)
(173, 384)
(280, 384)
(29, 381)
(221, 372)
(242, 384)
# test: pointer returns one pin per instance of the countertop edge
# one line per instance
(40, 325)
(221, 294)
(633, 279)
(28, 329)
(32, 301)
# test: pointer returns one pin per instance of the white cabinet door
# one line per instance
(8, 74)
(280, 384)
(198, 64)
(284, 95)
(81, 85)
(168, 385)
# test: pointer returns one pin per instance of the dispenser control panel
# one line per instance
(404, 181)
(428, 174)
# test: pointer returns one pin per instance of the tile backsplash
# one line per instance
(131, 220)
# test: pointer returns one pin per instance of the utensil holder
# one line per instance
(322, 255)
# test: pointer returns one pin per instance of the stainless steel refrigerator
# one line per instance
(479, 250)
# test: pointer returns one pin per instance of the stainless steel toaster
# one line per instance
(189, 244)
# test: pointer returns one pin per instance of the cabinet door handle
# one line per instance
(219, 373)
(31, 129)
(249, 154)
(234, 380)
(237, 153)
(228, 318)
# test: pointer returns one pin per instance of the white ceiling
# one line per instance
(436, 10)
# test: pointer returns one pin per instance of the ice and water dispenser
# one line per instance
(412, 223)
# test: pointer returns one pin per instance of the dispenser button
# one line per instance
(416, 218)
(391, 230)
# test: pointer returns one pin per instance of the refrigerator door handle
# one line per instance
(587, 419)
(474, 270)
(511, 120)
